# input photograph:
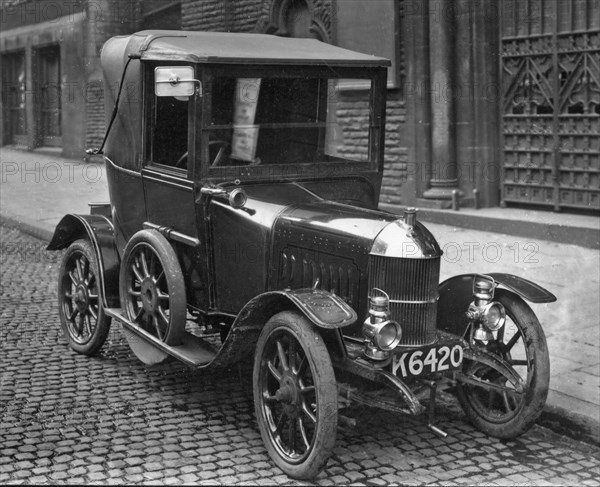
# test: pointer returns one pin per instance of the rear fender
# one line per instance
(456, 294)
(323, 309)
(100, 232)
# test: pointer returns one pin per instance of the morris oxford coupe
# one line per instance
(244, 173)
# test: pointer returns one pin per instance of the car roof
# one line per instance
(223, 47)
(123, 145)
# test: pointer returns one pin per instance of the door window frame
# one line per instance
(149, 100)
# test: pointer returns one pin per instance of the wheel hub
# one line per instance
(81, 298)
(289, 395)
(149, 295)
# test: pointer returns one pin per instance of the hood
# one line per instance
(331, 242)
(325, 224)
(300, 217)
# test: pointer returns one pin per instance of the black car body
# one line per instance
(243, 221)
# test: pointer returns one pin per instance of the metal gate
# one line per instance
(550, 71)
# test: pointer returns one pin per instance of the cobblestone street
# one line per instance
(67, 418)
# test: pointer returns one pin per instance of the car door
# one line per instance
(167, 175)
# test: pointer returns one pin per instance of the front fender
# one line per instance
(100, 232)
(456, 294)
(323, 309)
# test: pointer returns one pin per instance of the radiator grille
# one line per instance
(413, 282)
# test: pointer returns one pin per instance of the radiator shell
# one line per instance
(412, 285)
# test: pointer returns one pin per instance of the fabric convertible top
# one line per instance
(123, 145)
(222, 47)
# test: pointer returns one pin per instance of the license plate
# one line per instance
(426, 361)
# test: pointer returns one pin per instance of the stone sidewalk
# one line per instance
(37, 189)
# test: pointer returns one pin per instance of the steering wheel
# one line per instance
(222, 149)
(182, 159)
(218, 158)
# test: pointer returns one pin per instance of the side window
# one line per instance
(168, 129)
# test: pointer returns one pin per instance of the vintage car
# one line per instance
(244, 173)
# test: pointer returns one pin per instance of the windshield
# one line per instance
(287, 121)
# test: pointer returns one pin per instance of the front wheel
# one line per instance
(295, 395)
(502, 412)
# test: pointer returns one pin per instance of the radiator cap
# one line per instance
(410, 216)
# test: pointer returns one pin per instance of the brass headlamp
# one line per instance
(489, 315)
(381, 333)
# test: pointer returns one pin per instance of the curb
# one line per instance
(568, 423)
(581, 423)
(31, 227)
(564, 233)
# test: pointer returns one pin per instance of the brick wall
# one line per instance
(222, 16)
(96, 124)
(352, 114)
(203, 15)
(396, 153)
(106, 18)
(246, 15)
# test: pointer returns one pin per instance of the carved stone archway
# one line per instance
(297, 18)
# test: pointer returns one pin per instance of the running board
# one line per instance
(194, 351)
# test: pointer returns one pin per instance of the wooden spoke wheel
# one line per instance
(152, 289)
(522, 344)
(80, 307)
(295, 395)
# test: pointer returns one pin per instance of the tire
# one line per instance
(151, 287)
(80, 309)
(299, 397)
(508, 415)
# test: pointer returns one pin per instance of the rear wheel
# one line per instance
(152, 292)
(522, 344)
(295, 395)
(80, 307)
